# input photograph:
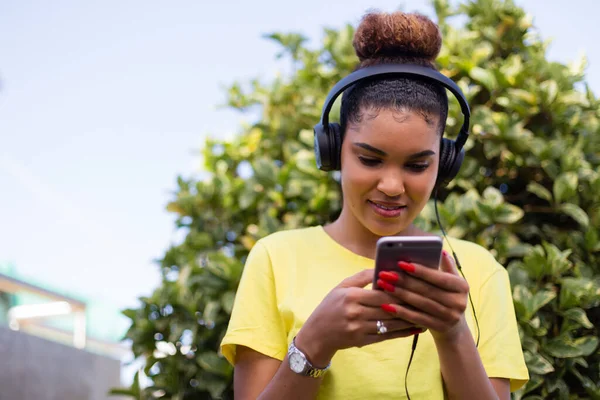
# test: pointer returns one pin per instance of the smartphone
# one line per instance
(424, 250)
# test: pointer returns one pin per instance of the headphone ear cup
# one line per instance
(335, 135)
(327, 144)
(450, 161)
(321, 147)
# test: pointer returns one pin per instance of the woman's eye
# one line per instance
(418, 167)
(369, 162)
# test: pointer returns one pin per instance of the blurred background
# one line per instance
(104, 104)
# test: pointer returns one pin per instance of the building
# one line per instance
(58, 344)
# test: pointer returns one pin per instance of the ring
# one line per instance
(381, 329)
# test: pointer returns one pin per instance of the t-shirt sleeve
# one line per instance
(500, 346)
(256, 321)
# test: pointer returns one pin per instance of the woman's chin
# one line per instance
(386, 229)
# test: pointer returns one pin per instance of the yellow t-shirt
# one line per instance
(287, 274)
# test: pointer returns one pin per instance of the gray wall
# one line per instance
(32, 368)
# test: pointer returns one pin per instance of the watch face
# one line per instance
(297, 363)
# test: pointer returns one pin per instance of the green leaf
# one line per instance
(493, 197)
(485, 77)
(564, 347)
(574, 291)
(565, 186)
(216, 388)
(556, 383)
(265, 171)
(550, 90)
(537, 364)
(211, 362)
(575, 212)
(526, 96)
(558, 260)
(508, 214)
(535, 262)
(587, 344)
(247, 198)
(211, 311)
(539, 191)
(540, 299)
(130, 313)
(578, 315)
(227, 301)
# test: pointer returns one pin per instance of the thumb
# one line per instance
(448, 263)
(361, 279)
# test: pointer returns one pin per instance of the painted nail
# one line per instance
(389, 276)
(408, 267)
(385, 286)
(416, 331)
(388, 308)
(445, 253)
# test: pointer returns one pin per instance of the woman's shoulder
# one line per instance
(292, 237)
(474, 258)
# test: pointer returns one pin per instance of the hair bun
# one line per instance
(397, 35)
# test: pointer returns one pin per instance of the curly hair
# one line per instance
(403, 38)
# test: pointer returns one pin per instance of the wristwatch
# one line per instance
(300, 365)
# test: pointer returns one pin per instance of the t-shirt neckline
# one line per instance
(343, 250)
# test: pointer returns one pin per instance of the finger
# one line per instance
(361, 279)
(391, 325)
(375, 338)
(370, 315)
(401, 285)
(448, 264)
(438, 309)
(423, 319)
(370, 298)
(443, 280)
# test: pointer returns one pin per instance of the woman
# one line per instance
(305, 320)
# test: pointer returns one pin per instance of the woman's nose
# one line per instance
(392, 185)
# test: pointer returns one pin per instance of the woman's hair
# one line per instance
(400, 38)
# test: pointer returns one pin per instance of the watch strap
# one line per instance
(309, 369)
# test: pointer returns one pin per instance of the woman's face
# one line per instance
(389, 168)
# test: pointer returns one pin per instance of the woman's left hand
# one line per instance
(431, 298)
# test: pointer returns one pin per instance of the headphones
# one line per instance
(328, 136)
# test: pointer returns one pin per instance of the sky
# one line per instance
(104, 103)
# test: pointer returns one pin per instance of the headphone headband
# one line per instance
(383, 70)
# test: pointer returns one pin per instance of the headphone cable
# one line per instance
(459, 267)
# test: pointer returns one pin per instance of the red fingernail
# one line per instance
(416, 331)
(445, 253)
(389, 276)
(408, 267)
(388, 308)
(385, 286)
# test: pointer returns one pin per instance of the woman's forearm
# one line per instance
(286, 384)
(462, 370)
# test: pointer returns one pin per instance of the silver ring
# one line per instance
(381, 329)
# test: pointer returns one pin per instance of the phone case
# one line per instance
(424, 250)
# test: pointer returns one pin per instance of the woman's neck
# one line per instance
(350, 233)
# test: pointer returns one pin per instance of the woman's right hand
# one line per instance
(347, 317)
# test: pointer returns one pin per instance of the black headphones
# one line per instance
(328, 136)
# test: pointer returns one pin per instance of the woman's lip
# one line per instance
(383, 203)
(395, 213)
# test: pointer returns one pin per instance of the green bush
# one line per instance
(528, 191)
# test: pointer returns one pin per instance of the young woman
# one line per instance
(306, 324)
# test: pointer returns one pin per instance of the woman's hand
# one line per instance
(347, 317)
(429, 298)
